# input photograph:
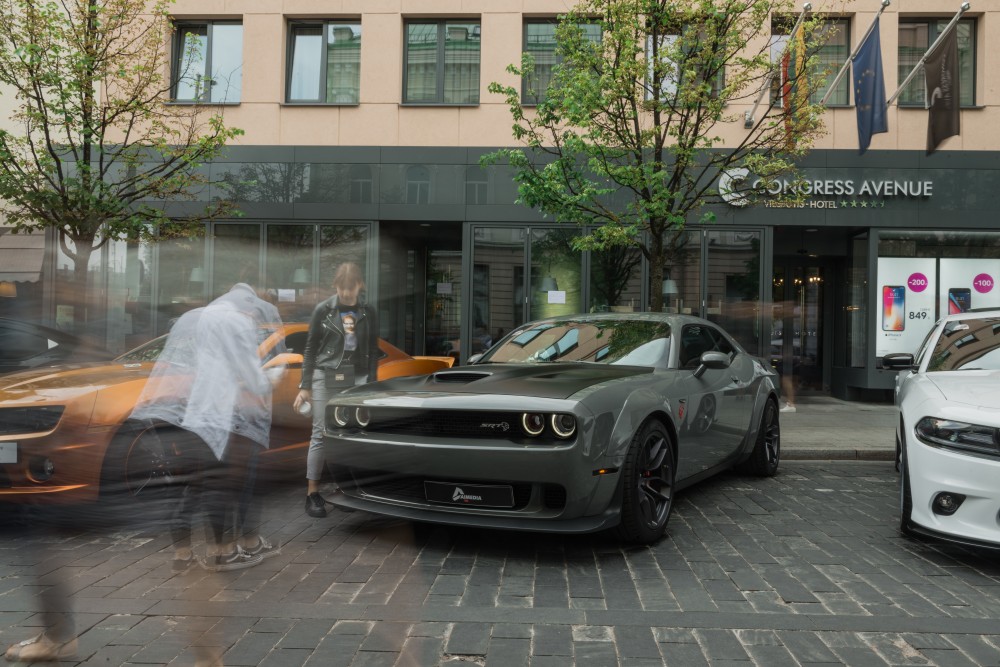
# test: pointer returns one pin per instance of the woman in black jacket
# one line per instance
(341, 351)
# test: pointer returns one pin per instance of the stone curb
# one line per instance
(837, 454)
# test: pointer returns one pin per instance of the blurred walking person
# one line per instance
(341, 351)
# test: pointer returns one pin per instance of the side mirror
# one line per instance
(899, 361)
(474, 358)
(712, 360)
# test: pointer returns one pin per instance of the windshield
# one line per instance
(968, 344)
(151, 351)
(626, 342)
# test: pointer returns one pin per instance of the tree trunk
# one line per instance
(81, 297)
(656, 272)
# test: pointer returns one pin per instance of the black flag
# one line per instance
(941, 70)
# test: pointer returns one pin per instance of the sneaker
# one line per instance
(787, 407)
(264, 549)
(315, 505)
(182, 565)
(237, 559)
(41, 649)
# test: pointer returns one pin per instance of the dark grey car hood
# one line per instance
(544, 380)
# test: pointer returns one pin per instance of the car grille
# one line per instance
(15, 421)
(446, 423)
(411, 488)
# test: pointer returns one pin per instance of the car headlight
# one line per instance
(362, 416)
(533, 423)
(14, 421)
(564, 425)
(340, 416)
(958, 435)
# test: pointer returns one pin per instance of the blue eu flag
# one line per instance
(869, 90)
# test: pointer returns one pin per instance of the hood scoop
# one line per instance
(459, 377)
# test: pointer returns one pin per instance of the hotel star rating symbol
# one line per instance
(863, 203)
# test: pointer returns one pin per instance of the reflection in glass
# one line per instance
(236, 249)
(733, 289)
(615, 280)
(555, 273)
(603, 341)
(182, 280)
(681, 285)
(339, 244)
(444, 302)
(288, 270)
(498, 258)
(190, 64)
(421, 62)
(227, 63)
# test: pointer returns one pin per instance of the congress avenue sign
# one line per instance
(739, 188)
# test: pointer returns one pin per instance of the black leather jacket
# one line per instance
(325, 342)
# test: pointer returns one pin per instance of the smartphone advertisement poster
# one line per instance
(907, 292)
(967, 284)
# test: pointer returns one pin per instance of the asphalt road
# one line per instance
(806, 568)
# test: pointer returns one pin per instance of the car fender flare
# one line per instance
(639, 407)
(765, 392)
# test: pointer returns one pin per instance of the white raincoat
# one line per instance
(208, 379)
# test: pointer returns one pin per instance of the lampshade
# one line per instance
(197, 275)
(8, 289)
(669, 287)
(300, 276)
(549, 284)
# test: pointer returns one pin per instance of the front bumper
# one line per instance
(933, 470)
(554, 487)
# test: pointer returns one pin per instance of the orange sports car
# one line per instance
(61, 427)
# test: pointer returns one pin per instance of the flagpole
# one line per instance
(954, 19)
(847, 63)
(748, 116)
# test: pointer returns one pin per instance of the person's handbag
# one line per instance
(340, 378)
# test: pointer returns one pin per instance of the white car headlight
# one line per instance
(958, 435)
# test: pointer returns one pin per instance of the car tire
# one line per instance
(766, 454)
(905, 498)
(141, 465)
(648, 485)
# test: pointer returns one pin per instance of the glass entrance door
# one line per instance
(797, 327)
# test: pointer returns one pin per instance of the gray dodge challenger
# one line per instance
(572, 424)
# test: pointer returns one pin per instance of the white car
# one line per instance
(948, 438)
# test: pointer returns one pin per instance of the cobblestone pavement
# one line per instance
(806, 568)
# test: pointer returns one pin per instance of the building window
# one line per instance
(666, 59)
(476, 185)
(418, 185)
(441, 62)
(325, 62)
(915, 37)
(208, 62)
(540, 42)
(834, 35)
(361, 184)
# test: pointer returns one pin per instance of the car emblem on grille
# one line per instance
(462, 495)
(502, 426)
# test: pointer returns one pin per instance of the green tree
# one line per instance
(628, 138)
(97, 153)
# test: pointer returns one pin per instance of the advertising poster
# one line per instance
(967, 284)
(906, 301)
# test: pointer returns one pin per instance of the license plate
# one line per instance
(478, 495)
(8, 452)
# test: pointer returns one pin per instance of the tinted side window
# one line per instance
(296, 342)
(19, 345)
(721, 342)
(695, 341)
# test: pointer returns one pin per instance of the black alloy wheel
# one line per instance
(141, 464)
(766, 454)
(648, 479)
